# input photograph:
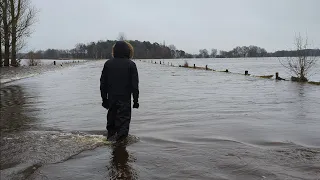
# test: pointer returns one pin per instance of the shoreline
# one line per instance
(11, 74)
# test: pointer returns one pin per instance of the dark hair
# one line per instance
(121, 50)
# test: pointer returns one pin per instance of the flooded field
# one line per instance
(192, 124)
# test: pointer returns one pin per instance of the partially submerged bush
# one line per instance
(299, 79)
(186, 64)
(301, 65)
(32, 61)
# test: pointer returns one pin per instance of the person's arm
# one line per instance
(104, 83)
(135, 83)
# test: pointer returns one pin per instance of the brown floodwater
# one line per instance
(192, 124)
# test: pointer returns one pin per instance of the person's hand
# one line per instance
(105, 103)
(135, 105)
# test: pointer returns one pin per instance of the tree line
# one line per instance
(296, 53)
(16, 17)
(102, 50)
(147, 50)
(254, 51)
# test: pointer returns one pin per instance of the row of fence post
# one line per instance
(55, 63)
(246, 72)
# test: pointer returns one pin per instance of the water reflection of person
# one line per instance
(120, 167)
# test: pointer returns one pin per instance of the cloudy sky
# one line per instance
(188, 24)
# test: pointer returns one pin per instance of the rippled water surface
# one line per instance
(192, 124)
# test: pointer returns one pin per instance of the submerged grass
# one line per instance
(314, 83)
(266, 77)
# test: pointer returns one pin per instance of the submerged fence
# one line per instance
(206, 68)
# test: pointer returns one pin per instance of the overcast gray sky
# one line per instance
(188, 24)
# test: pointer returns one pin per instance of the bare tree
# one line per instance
(173, 50)
(5, 27)
(301, 65)
(1, 13)
(213, 53)
(23, 16)
(32, 59)
(203, 53)
(122, 37)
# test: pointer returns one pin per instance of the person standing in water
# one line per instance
(119, 80)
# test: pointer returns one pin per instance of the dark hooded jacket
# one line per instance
(119, 78)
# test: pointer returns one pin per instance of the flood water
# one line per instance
(191, 124)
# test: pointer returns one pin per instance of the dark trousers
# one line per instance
(118, 118)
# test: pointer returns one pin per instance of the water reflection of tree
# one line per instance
(120, 164)
(13, 109)
(302, 108)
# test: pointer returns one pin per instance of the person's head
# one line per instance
(122, 49)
